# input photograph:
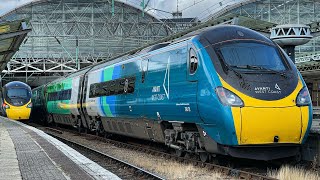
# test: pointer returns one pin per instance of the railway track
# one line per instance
(121, 168)
(227, 171)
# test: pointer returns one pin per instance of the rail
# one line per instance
(129, 169)
(235, 173)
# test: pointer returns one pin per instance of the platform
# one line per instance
(29, 153)
(315, 128)
(311, 148)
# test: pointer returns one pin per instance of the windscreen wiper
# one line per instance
(229, 68)
(283, 74)
(225, 65)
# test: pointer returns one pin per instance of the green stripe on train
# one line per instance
(59, 106)
(107, 76)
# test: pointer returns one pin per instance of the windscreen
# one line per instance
(18, 96)
(17, 93)
(252, 54)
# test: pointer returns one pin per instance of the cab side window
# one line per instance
(193, 61)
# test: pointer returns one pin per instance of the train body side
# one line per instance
(138, 94)
(161, 96)
(38, 111)
(62, 100)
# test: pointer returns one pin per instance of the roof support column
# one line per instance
(112, 7)
(298, 11)
(269, 11)
(142, 8)
(77, 53)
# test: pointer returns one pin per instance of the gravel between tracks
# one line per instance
(170, 169)
(167, 168)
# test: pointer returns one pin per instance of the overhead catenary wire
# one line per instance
(183, 7)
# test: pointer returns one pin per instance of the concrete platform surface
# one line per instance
(29, 153)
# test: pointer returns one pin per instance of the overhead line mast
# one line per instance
(177, 14)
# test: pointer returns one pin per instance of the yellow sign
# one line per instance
(4, 29)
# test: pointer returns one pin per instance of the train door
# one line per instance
(127, 103)
(142, 86)
(82, 100)
(75, 100)
(167, 93)
(184, 85)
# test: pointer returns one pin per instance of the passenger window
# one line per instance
(60, 95)
(193, 61)
(69, 95)
(113, 87)
(56, 96)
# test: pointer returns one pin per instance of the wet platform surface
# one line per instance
(29, 153)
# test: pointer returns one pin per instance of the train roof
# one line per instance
(214, 34)
(222, 33)
(16, 84)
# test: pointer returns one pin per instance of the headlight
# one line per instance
(5, 106)
(228, 98)
(29, 105)
(303, 98)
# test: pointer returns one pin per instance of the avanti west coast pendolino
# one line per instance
(16, 101)
(221, 90)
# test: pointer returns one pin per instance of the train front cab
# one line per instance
(259, 112)
(17, 100)
(18, 112)
(267, 122)
(269, 129)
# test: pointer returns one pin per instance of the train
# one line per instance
(16, 101)
(224, 90)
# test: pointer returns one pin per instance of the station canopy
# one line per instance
(12, 34)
